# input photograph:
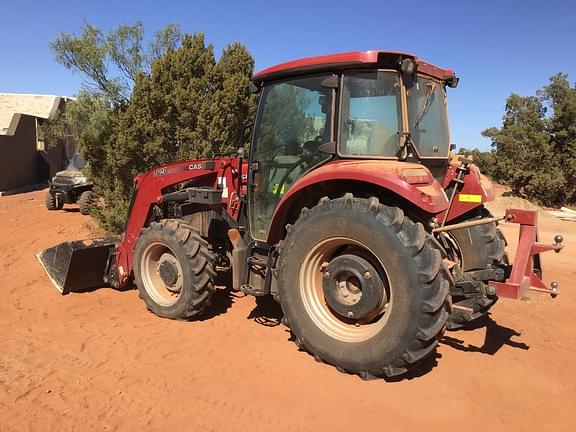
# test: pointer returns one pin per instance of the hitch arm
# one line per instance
(526, 273)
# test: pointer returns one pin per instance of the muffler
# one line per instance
(78, 265)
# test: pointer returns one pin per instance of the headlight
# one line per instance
(79, 180)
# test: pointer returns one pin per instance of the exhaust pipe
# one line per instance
(78, 265)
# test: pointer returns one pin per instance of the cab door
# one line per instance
(294, 118)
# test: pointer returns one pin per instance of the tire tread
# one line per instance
(202, 270)
(436, 302)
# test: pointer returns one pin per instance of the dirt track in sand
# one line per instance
(99, 361)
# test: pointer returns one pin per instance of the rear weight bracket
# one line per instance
(526, 273)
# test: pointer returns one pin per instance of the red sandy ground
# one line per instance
(99, 361)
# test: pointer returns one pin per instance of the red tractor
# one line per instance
(350, 212)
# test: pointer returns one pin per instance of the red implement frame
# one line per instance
(526, 272)
(219, 173)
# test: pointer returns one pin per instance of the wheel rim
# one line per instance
(348, 289)
(161, 274)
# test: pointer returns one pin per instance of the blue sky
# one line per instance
(496, 47)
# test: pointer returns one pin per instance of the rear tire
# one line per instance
(86, 202)
(480, 247)
(342, 237)
(52, 203)
(173, 269)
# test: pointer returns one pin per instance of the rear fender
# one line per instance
(476, 191)
(368, 177)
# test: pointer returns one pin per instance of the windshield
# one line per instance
(76, 163)
(371, 115)
(428, 117)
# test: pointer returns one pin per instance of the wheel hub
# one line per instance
(352, 288)
(168, 272)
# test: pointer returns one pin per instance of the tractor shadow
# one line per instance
(267, 312)
(496, 337)
(222, 299)
(423, 367)
(128, 287)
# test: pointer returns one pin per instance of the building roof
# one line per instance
(41, 106)
(348, 60)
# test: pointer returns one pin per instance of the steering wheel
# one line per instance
(285, 177)
(309, 149)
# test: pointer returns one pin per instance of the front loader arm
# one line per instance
(220, 173)
(147, 193)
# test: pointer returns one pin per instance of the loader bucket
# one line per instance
(77, 265)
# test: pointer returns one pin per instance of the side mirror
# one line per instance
(453, 82)
(408, 66)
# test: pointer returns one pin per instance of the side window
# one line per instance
(293, 120)
(292, 115)
(371, 114)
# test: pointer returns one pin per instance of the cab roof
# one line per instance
(349, 60)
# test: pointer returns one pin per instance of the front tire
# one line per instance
(173, 269)
(362, 287)
(86, 202)
(52, 202)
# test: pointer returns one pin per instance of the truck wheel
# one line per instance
(52, 203)
(479, 247)
(362, 288)
(173, 270)
(86, 202)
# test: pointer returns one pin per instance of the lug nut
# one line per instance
(326, 274)
(367, 275)
(350, 314)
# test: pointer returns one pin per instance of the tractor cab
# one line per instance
(363, 105)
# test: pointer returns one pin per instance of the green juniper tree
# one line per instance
(561, 127)
(143, 105)
(535, 149)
